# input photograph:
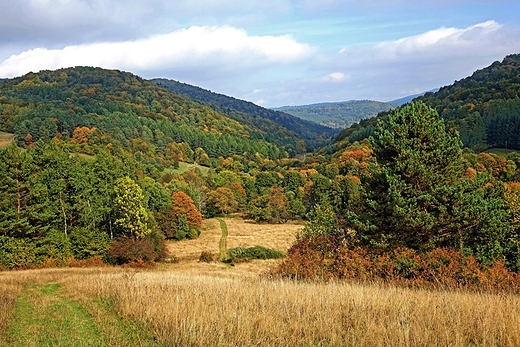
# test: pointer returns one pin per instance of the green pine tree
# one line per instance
(417, 195)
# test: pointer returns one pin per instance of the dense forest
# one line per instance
(338, 114)
(272, 122)
(88, 106)
(94, 171)
(484, 108)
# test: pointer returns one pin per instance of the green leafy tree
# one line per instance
(321, 221)
(24, 199)
(417, 195)
(132, 216)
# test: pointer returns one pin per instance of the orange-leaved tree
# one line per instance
(181, 219)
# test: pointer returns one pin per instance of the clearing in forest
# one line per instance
(6, 139)
(241, 233)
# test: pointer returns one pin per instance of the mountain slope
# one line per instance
(338, 114)
(245, 112)
(484, 107)
(98, 107)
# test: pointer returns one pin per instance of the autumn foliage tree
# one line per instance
(181, 219)
(182, 203)
(222, 200)
(278, 205)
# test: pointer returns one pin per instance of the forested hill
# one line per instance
(338, 114)
(96, 107)
(273, 122)
(484, 108)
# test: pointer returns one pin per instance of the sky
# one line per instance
(271, 52)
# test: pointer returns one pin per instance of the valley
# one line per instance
(136, 212)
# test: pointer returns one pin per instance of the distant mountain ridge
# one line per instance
(338, 114)
(313, 134)
(409, 98)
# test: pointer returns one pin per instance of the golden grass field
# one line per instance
(6, 139)
(241, 233)
(212, 304)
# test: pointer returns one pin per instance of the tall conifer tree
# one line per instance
(417, 194)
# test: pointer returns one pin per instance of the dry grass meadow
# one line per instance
(212, 304)
(5, 139)
(241, 233)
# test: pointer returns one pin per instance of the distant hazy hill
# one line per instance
(484, 107)
(406, 99)
(338, 114)
(270, 121)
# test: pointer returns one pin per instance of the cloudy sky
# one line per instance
(271, 52)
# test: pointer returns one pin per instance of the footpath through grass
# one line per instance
(223, 241)
(45, 317)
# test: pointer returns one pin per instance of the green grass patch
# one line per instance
(44, 317)
(256, 252)
(183, 167)
(84, 156)
(501, 152)
(223, 241)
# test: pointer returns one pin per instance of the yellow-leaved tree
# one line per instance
(132, 217)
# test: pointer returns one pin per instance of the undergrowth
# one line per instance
(321, 258)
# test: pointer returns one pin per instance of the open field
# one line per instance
(501, 152)
(242, 233)
(6, 139)
(220, 307)
(214, 304)
(183, 167)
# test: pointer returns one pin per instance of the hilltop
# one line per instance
(124, 111)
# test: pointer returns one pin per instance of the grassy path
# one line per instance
(44, 317)
(223, 241)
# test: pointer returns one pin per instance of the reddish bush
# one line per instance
(320, 258)
(129, 250)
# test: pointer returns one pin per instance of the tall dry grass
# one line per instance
(210, 310)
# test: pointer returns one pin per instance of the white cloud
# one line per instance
(337, 77)
(442, 38)
(483, 39)
(392, 69)
(421, 62)
(197, 47)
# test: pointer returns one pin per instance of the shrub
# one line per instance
(55, 245)
(130, 250)
(206, 257)
(256, 252)
(86, 244)
(17, 253)
(322, 258)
